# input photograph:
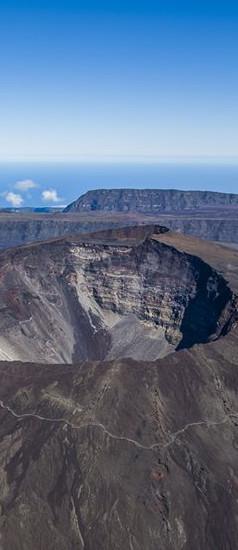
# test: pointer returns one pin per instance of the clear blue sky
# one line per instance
(105, 79)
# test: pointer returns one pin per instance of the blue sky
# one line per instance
(118, 80)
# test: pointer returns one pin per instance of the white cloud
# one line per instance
(14, 199)
(25, 185)
(50, 195)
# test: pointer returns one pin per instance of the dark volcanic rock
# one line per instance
(121, 455)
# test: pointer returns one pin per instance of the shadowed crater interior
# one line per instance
(109, 295)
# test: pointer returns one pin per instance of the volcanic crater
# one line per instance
(108, 295)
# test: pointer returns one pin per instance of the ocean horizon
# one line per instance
(70, 179)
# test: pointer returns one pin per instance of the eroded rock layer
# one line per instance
(120, 294)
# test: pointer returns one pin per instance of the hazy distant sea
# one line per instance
(71, 180)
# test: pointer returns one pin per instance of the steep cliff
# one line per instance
(150, 201)
(18, 229)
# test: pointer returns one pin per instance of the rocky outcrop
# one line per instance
(150, 201)
(111, 295)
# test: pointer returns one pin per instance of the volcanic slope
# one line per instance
(125, 454)
(121, 293)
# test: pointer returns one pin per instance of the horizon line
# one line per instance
(126, 159)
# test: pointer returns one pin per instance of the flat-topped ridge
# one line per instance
(150, 200)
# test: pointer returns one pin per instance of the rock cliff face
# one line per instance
(18, 229)
(150, 200)
(15, 233)
(217, 227)
(98, 298)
